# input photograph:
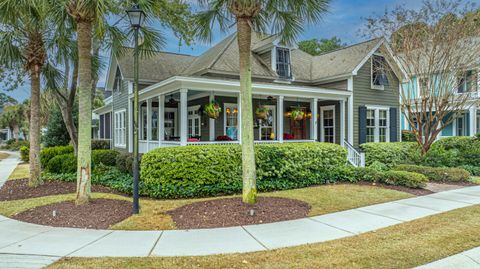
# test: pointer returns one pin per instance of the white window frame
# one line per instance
(193, 118)
(373, 86)
(231, 106)
(175, 119)
(377, 122)
(274, 61)
(478, 123)
(322, 127)
(120, 130)
(464, 123)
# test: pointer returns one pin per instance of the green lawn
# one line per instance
(20, 172)
(401, 246)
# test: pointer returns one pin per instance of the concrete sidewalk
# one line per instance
(469, 259)
(19, 238)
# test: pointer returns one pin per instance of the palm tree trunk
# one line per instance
(84, 29)
(67, 115)
(34, 155)
(244, 36)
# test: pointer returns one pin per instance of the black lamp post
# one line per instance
(137, 18)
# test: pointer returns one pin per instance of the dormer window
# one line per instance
(379, 72)
(284, 70)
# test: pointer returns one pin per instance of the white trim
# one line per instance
(239, 103)
(183, 116)
(314, 120)
(365, 59)
(280, 118)
(350, 111)
(130, 126)
(120, 124)
(342, 122)
(161, 119)
(130, 88)
(322, 130)
(211, 122)
(473, 120)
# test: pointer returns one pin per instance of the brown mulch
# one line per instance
(98, 214)
(18, 189)
(229, 212)
(414, 191)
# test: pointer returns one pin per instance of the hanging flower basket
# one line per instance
(298, 114)
(212, 110)
(261, 113)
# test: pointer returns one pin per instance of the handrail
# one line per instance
(355, 157)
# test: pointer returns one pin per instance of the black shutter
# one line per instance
(393, 125)
(362, 124)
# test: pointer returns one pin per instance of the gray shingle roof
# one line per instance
(159, 66)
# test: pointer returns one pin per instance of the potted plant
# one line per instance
(261, 113)
(213, 110)
(298, 114)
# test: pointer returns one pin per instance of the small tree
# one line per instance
(438, 48)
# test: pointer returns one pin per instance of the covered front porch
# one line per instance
(173, 113)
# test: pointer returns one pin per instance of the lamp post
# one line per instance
(137, 18)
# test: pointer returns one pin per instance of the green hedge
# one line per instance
(438, 174)
(100, 144)
(454, 152)
(48, 153)
(124, 162)
(15, 145)
(67, 163)
(219, 164)
(391, 154)
(472, 169)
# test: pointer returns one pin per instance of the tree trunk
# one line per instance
(34, 154)
(244, 36)
(84, 29)
(67, 115)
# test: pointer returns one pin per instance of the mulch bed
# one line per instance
(229, 212)
(98, 214)
(18, 189)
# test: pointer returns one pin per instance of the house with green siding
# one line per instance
(343, 96)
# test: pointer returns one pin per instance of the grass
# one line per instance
(3, 155)
(401, 246)
(20, 172)
(153, 215)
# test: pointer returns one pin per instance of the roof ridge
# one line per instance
(349, 46)
(232, 36)
(162, 51)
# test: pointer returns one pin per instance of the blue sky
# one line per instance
(344, 21)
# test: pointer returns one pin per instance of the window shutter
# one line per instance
(362, 124)
(393, 125)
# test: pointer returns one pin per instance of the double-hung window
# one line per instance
(120, 130)
(467, 82)
(283, 63)
(378, 125)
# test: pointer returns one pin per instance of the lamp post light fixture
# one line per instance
(137, 18)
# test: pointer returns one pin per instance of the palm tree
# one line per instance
(90, 19)
(13, 118)
(285, 18)
(24, 36)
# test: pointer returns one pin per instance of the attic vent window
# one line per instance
(284, 70)
(379, 72)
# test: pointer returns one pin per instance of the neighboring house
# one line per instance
(468, 124)
(344, 101)
(6, 133)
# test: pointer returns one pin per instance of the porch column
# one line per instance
(183, 116)
(314, 119)
(149, 122)
(161, 119)
(211, 123)
(280, 99)
(342, 122)
(239, 120)
(350, 120)
(473, 120)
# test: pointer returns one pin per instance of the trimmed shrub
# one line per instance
(454, 152)
(100, 144)
(216, 165)
(104, 156)
(14, 145)
(408, 136)
(48, 153)
(124, 162)
(404, 178)
(391, 154)
(65, 163)
(473, 170)
(25, 154)
(438, 174)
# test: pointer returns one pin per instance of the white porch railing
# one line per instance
(355, 157)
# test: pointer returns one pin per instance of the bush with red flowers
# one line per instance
(223, 138)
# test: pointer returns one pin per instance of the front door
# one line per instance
(327, 124)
